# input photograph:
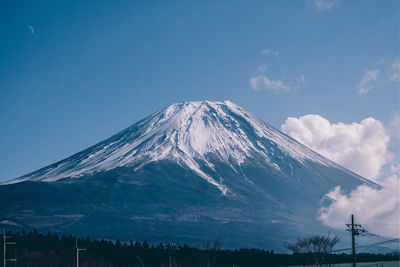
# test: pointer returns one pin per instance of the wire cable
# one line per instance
(371, 245)
(377, 223)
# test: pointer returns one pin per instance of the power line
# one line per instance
(374, 264)
(381, 243)
(340, 250)
(373, 237)
(356, 230)
(370, 245)
(377, 223)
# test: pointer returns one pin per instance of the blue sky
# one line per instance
(73, 73)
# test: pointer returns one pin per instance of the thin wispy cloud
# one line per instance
(324, 4)
(267, 52)
(393, 128)
(383, 73)
(394, 74)
(31, 29)
(300, 82)
(261, 81)
(261, 69)
(368, 81)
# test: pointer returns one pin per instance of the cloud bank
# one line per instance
(360, 147)
(378, 210)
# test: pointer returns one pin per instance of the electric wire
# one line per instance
(370, 245)
(377, 223)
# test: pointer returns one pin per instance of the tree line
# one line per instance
(45, 250)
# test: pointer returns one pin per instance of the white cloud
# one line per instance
(395, 71)
(31, 29)
(261, 81)
(324, 4)
(367, 82)
(270, 52)
(378, 210)
(360, 147)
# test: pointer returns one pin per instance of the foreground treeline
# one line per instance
(34, 249)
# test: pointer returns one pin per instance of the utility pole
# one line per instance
(170, 258)
(77, 252)
(4, 248)
(5, 243)
(355, 229)
(353, 243)
(171, 250)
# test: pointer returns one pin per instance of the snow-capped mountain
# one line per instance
(187, 133)
(208, 163)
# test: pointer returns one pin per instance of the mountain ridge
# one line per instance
(196, 143)
(191, 172)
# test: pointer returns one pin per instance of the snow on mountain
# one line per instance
(191, 172)
(187, 133)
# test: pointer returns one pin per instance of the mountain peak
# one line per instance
(193, 134)
(192, 171)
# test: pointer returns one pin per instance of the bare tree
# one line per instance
(314, 250)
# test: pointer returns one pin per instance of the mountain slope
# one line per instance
(192, 171)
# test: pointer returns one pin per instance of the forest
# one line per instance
(36, 249)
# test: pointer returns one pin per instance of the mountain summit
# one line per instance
(181, 174)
